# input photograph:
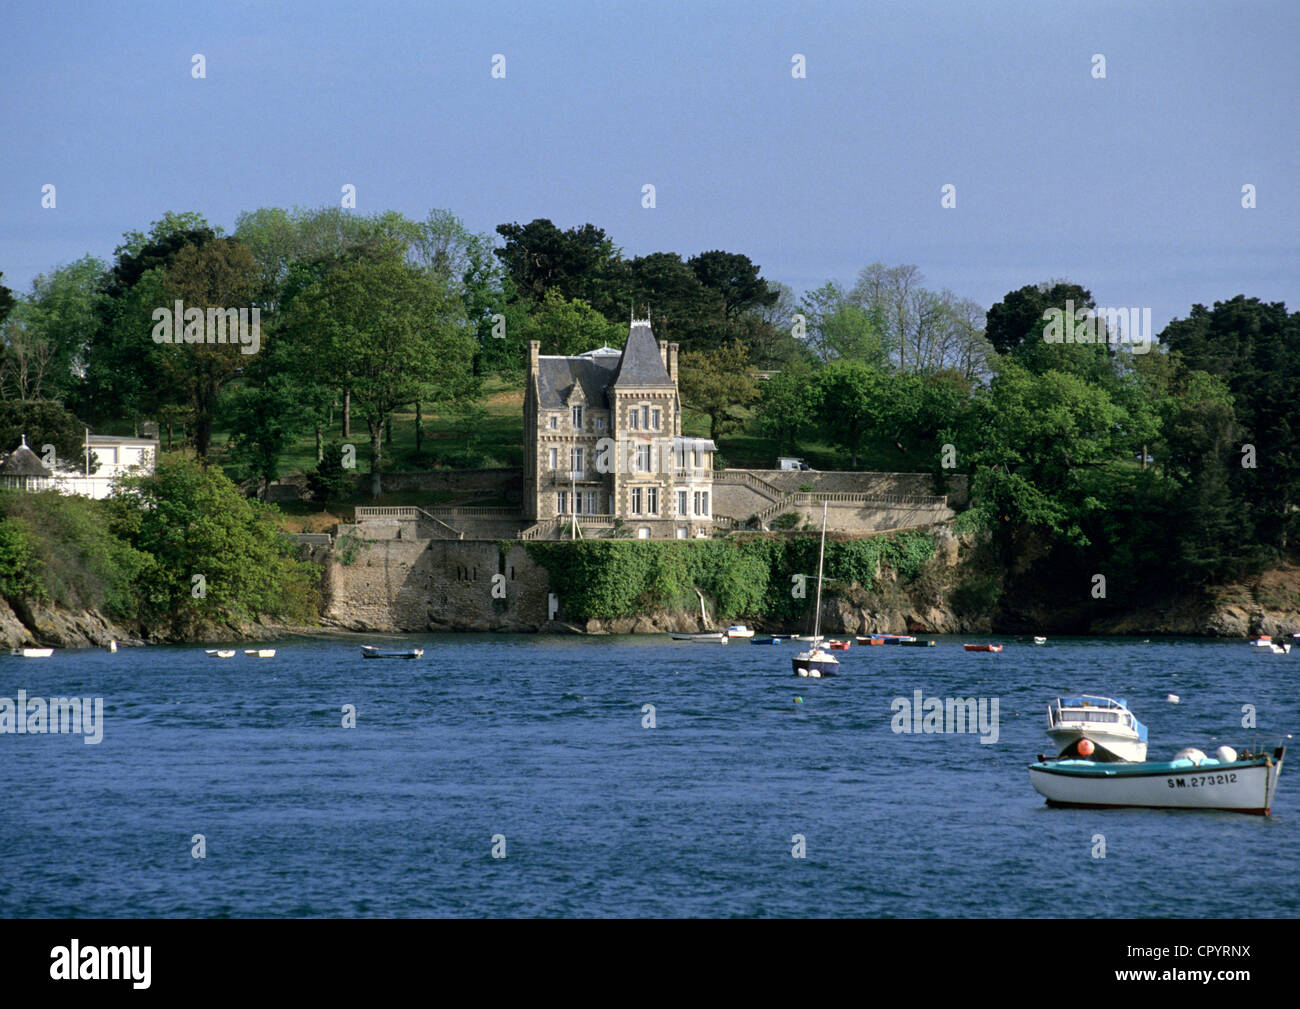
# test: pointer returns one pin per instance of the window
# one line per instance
(654, 417)
(701, 502)
(643, 458)
(643, 533)
(551, 458)
(636, 500)
(600, 423)
(575, 463)
(593, 501)
(681, 503)
(632, 417)
(652, 500)
(645, 417)
(577, 417)
(562, 503)
(695, 458)
(554, 422)
(577, 502)
(681, 532)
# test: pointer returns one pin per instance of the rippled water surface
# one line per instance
(540, 739)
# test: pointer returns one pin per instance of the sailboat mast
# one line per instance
(821, 555)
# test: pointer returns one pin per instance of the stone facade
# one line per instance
(603, 441)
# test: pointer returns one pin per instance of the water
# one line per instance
(540, 739)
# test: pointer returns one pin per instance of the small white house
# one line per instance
(117, 456)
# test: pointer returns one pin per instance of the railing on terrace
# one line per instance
(474, 511)
(363, 512)
(746, 477)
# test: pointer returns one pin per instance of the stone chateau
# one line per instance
(603, 441)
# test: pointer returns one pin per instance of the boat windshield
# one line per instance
(1089, 715)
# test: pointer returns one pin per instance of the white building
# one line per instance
(116, 456)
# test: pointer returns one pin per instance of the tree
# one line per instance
(580, 262)
(570, 327)
(735, 278)
(58, 319)
(787, 406)
(849, 398)
(390, 331)
(44, 422)
(718, 383)
(682, 310)
(215, 554)
(6, 299)
(218, 275)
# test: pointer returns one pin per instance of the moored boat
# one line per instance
(220, 653)
(1106, 724)
(817, 662)
(1243, 783)
(918, 643)
(1039, 639)
(1265, 647)
(374, 652)
(738, 631)
(898, 639)
(838, 646)
(983, 648)
(873, 640)
(260, 653)
(32, 653)
(707, 638)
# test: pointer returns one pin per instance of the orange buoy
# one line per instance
(1085, 747)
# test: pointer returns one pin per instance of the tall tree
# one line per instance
(718, 383)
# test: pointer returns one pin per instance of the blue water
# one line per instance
(540, 739)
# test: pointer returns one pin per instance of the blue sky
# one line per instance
(1129, 185)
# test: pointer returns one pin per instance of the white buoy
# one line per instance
(1225, 755)
(1171, 698)
(1191, 753)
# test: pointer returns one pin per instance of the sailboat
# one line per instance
(817, 662)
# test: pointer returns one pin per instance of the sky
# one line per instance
(1130, 185)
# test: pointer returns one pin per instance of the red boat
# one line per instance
(870, 641)
(983, 648)
(838, 646)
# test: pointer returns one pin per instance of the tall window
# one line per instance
(636, 500)
(600, 423)
(654, 418)
(701, 502)
(652, 500)
(681, 503)
(643, 458)
(593, 500)
(632, 417)
(577, 502)
(645, 417)
(562, 503)
(575, 463)
(553, 423)
(551, 458)
(577, 417)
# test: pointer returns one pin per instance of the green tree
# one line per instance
(718, 383)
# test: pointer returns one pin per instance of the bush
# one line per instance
(330, 481)
(786, 520)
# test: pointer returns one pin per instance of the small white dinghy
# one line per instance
(33, 653)
(260, 653)
(1039, 640)
(1269, 648)
(220, 653)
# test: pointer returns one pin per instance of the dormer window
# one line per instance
(577, 418)
(554, 422)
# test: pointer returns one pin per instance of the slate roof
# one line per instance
(22, 461)
(557, 375)
(641, 364)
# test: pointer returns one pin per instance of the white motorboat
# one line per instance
(32, 653)
(1039, 639)
(221, 653)
(1264, 647)
(817, 662)
(738, 631)
(1107, 724)
(1243, 783)
(707, 638)
(260, 653)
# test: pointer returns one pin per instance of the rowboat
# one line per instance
(261, 653)
(817, 662)
(1105, 722)
(373, 652)
(220, 653)
(1039, 640)
(1229, 782)
(838, 646)
(32, 653)
(773, 640)
(870, 640)
(983, 648)
(710, 638)
(898, 639)
(918, 643)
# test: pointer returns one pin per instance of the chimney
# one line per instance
(663, 352)
(534, 347)
(672, 362)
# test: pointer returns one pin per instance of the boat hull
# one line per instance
(1244, 786)
(816, 666)
(1126, 747)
